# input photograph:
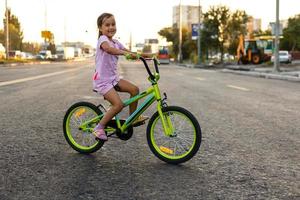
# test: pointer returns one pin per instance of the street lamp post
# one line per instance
(180, 34)
(199, 35)
(276, 53)
(7, 32)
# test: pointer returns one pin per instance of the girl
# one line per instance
(106, 80)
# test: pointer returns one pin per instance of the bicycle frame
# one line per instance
(152, 94)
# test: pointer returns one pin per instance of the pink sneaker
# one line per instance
(100, 134)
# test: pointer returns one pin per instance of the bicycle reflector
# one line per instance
(166, 150)
(80, 112)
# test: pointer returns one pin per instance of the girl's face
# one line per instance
(108, 27)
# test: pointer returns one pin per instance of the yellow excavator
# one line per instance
(253, 50)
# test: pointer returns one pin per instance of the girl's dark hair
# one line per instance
(101, 19)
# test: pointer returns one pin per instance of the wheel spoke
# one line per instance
(82, 138)
(180, 145)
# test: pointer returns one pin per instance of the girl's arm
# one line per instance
(111, 50)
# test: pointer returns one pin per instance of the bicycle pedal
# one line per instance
(139, 124)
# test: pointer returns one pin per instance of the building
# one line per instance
(73, 44)
(284, 23)
(151, 46)
(190, 15)
(253, 25)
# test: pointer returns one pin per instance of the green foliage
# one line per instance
(15, 32)
(31, 47)
(222, 28)
(172, 35)
(188, 45)
(236, 26)
(291, 36)
(147, 49)
(220, 33)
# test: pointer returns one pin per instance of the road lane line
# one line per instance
(238, 88)
(200, 79)
(35, 77)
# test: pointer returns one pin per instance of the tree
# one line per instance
(222, 28)
(291, 36)
(188, 45)
(220, 33)
(15, 32)
(236, 26)
(31, 47)
(171, 34)
(216, 23)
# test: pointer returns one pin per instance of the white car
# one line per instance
(284, 56)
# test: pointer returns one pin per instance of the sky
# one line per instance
(75, 20)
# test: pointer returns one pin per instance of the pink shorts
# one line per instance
(105, 87)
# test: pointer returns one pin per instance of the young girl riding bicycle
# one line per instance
(106, 80)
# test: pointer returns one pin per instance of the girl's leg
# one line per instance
(126, 86)
(116, 106)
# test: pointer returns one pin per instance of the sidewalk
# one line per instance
(289, 72)
(40, 62)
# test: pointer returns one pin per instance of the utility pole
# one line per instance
(276, 57)
(7, 32)
(180, 34)
(199, 35)
(45, 15)
(130, 41)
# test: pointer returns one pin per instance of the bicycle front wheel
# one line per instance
(184, 141)
(81, 138)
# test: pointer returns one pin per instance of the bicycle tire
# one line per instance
(168, 154)
(81, 108)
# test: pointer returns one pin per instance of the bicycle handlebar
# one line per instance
(155, 61)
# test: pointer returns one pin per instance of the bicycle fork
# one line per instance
(165, 117)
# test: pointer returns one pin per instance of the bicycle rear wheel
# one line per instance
(184, 141)
(79, 138)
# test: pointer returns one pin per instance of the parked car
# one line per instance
(46, 54)
(28, 55)
(39, 57)
(284, 57)
(54, 57)
(15, 54)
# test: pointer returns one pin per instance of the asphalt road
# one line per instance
(250, 148)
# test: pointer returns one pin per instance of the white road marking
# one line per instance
(90, 97)
(200, 79)
(238, 88)
(35, 77)
(209, 71)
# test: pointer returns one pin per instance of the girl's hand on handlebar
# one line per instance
(131, 56)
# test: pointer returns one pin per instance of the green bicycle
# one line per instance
(173, 133)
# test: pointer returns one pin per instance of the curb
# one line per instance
(264, 75)
(30, 63)
(39, 62)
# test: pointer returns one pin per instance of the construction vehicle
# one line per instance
(255, 50)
